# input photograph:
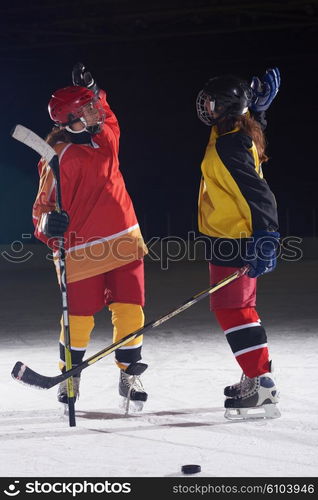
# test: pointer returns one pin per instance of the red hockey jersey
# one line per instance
(103, 233)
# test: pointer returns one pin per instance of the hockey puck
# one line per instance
(191, 469)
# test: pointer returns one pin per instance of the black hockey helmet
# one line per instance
(227, 95)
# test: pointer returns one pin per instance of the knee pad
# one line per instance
(231, 318)
(80, 330)
(126, 318)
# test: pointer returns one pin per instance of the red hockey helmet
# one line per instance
(66, 104)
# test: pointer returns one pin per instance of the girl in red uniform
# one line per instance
(103, 243)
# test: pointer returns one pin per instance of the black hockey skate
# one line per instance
(62, 390)
(131, 388)
(243, 386)
(252, 398)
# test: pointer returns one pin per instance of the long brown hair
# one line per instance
(58, 135)
(250, 127)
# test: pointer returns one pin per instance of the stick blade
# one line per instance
(22, 373)
(29, 138)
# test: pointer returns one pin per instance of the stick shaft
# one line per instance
(29, 138)
(54, 164)
(24, 374)
(154, 324)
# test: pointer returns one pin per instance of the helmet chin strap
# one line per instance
(69, 129)
(84, 129)
(215, 121)
(91, 129)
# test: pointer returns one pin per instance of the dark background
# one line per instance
(152, 58)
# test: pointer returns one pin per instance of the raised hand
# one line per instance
(83, 78)
(265, 89)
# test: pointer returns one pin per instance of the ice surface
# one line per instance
(189, 365)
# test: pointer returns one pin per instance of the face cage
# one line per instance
(78, 116)
(204, 101)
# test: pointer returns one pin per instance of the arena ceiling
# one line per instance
(59, 23)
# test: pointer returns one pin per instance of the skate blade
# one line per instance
(130, 406)
(253, 413)
(64, 409)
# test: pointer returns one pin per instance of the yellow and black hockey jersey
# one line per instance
(234, 200)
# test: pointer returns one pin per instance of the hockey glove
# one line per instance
(54, 224)
(261, 252)
(265, 90)
(84, 78)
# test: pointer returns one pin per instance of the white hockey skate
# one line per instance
(252, 398)
(131, 389)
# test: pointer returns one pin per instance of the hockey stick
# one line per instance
(29, 138)
(24, 374)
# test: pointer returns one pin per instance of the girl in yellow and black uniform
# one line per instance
(238, 212)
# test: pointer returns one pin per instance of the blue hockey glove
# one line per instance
(54, 224)
(84, 78)
(261, 252)
(265, 90)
